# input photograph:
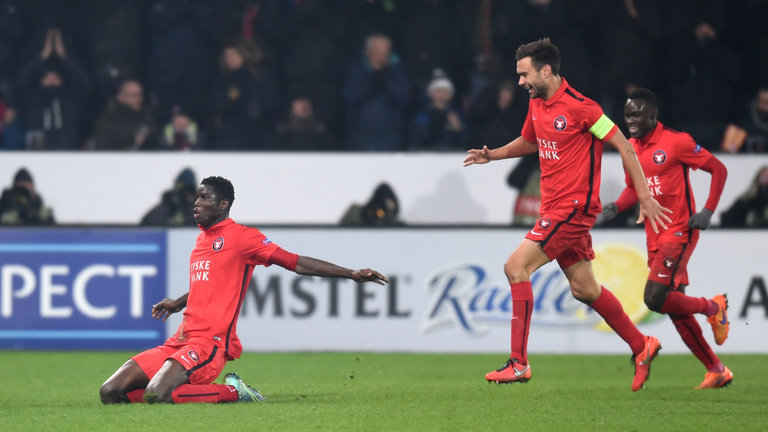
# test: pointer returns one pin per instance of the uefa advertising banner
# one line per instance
(448, 292)
(81, 289)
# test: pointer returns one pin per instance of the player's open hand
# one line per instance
(477, 157)
(653, 211)
(368, 275)
(164, 308)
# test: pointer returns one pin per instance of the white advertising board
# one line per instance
(309, 188)
(448, 292)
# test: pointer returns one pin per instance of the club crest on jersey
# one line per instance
(544, 223)
(669, 263)
(560, 123)
(193, 355)
(218, 244)
(659, 157)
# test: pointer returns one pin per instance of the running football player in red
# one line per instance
(666, 156)
(568, 131)
(222, 262)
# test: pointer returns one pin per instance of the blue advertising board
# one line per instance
(81, 288)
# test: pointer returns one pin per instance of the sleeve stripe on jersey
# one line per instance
(602, 126)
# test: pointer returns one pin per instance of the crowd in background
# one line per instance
(362, 75)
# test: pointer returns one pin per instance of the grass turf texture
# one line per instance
(348, 391)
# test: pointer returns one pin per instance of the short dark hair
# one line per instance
(222, 188)
(645, 94)
(542, 52)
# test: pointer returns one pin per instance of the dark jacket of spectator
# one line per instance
(375, 102)
(244, 100)
(439, 126)
(117, 128)
(55, 93)
(302, 130)
(181, 36)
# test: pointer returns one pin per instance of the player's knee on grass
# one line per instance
(655, 295)
(110, 394)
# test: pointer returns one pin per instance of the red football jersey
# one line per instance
(220, 269)
(666, 156)
(569, 129)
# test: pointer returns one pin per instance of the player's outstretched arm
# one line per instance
(649, 208)
(516, 148)
(165, 307)
(314, 267)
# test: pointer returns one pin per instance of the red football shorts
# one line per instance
(668, 264)
(564, 236)
(203, 361)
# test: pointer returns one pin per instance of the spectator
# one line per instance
(701, 68)
(22, 205)
(181, 133)
(630, 34)
(439, 126)
(496, 115)
(127, 122)
(376, 93)
(180, 41)
(175, 207)
(113, 55)
(316, 33)
(11, 132)
(55, 89)
(244, 99)
(382, 209)
(302, 130)
(751, 208)
(751, 133)
(435, 34)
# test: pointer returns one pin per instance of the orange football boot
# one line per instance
(643, 360)
(512, 371)
(719, 321)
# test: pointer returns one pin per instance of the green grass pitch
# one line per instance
(58, 391)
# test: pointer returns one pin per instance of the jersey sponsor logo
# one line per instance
(545, 223)
(193, 355)
(659, 157)
(218, 244)
(669, 262)
(560, 123)
(547, 149)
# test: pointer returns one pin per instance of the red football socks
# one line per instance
(522, 309)
(136, 396)
(211, 393)
(609, 307)
(690, 332)
(680, 304)
(193, 393)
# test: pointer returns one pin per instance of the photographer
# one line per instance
(175, 207)
(21, 205)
